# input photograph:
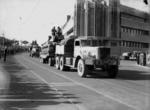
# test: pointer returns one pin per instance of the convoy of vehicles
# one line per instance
(130, 55)
(47, 53)
(85, 55)
(34, 51)
(80, 50)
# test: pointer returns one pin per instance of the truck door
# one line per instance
(77, 46)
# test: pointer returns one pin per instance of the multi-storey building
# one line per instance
(134, 29)
(123, 28)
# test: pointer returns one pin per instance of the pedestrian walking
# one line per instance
(5, 53)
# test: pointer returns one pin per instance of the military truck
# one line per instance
(87, 39)
(85, 54)
(47, 53)
(34, 51)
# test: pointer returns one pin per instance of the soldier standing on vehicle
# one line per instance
(49, 38)
(54, 31)
(5, 53)
(59, 34)
(54, 34)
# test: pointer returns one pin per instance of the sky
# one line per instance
(33, 19)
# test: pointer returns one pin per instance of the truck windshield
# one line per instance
(91, 43)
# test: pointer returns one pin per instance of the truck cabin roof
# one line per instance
(68, 40)
(88, 38)
(91, 41)
(35, 46)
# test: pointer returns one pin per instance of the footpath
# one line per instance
(3, 82)
(3, 78)
(128, 63)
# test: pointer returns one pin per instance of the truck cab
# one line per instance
(91, 54)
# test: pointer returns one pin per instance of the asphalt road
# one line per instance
(31, 85)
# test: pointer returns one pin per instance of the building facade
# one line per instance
(134, 29)
(123, 28)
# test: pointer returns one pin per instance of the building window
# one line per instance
(114, 44)
(145, 45)
(134, 31)
(131, 44)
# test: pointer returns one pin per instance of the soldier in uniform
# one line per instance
(0, 53)
(5, 53)
(54, 31)
(59, 34)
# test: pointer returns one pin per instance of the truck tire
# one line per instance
(42, 60)
(82, 68)
(57, 62)
(103, 68)
(112, 71)
(51, 62)
(62, 66)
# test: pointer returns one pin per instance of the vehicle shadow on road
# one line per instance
(98, 74)
(26, 92)
(133, 75)
(122, 74)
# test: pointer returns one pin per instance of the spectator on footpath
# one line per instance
(5, 53)
(0, 53)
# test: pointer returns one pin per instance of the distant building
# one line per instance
(135, 30)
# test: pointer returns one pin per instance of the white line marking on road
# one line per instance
(63, 84)
(42, 79)
(85, 86)
(25, 100)
(16, 70)
(10, 65)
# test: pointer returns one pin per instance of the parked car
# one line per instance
(126, 55)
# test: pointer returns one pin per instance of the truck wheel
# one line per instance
(41, 60)
(62, 66)
(82, 68)
(51, 62)
(57, 63)
(103, 68)
(112, 71)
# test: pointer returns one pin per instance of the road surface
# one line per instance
(30, 85)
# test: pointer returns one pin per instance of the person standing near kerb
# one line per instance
(0, 52)
(5, 53)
